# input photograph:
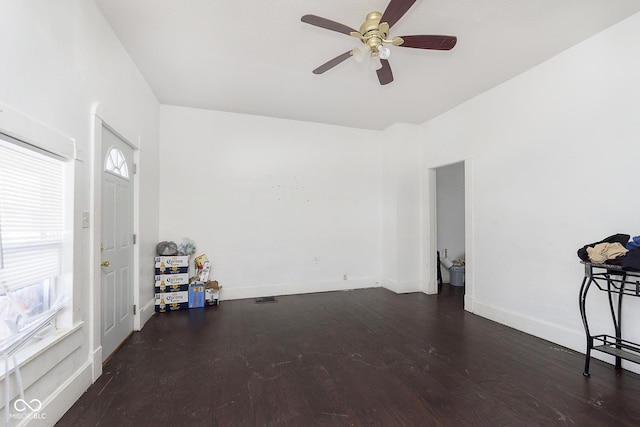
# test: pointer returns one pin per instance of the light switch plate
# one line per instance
(85, 219)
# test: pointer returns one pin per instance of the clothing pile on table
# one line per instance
(618, 249)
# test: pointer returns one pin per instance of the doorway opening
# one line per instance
(450, 228)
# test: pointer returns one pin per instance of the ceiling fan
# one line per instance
(373, 34)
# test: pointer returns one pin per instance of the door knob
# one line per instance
(105, 264)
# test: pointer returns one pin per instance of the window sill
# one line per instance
(37, 347)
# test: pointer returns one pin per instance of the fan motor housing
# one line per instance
(372, 35)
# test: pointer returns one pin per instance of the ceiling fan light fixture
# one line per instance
(360, 53)
(375, 63)
(384, 52)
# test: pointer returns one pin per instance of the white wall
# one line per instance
(402, 233)
(284, 207)
(554, 163)
(278, 206)
(60, 60)
(450, 213)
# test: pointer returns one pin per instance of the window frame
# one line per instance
(26, 164)
(111, 167)
(24, 131)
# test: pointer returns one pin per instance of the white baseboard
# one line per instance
(404, 287)
(542, 329)
(96, 364)
(468, 303)
(231, 293)
(63, 398)
(146, 312)
(556, 334)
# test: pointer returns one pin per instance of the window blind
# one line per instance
(31, 217)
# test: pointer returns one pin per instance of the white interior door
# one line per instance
(116, 242)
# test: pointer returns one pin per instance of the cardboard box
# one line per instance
(196, 296)
(174, 306)
(202, 274)
(169, 297)
(172, 270)
(172, 261)
(171, 301)
(203, 267)
(212, 297)
(172, 264)
(212, 293)
(172, 288)
(164, 280)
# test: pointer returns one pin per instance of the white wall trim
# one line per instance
(146, 312)
(531, 325)
(34, 364)
(96, 362)
(113, 124)
(404, 287)
(57, 404)
(98, 112)
(469, 235)
(431, 237)
(94, 243)
(33, 369)
(552, 332)
(26, 129)
(431, 285)
(295, 289)
(138, 323)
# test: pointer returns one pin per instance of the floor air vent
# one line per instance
(265, 299)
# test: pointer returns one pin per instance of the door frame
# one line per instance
(431, 228)
(95, 289)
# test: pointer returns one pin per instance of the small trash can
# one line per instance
(456, 275)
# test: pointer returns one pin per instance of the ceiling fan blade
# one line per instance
(327, 23)
(332, 63)
(429, 42)
(385, 76)
(396, 10)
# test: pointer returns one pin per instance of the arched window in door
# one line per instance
(116, 163)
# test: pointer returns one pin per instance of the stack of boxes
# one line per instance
(211, 288)
(173, 290)
(172, 283)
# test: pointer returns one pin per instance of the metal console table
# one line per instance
(616, 282)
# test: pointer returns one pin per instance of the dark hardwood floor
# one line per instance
(358, 358)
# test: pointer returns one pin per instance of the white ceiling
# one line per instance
(256, 57)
